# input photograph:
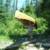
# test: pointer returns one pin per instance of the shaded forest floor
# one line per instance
(38, 40)
(43, 41)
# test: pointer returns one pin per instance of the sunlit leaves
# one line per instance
(42, 25)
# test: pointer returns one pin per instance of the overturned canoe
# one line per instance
(21, 16)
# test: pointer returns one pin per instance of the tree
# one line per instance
(45, 12)
(6, 11)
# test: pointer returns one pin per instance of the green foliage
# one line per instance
(9, 26)
(15, 26)
(42, 25)
(45, 12)
(12, 26)
(29, 9)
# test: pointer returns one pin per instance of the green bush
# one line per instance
(42, 25)
(13, 26)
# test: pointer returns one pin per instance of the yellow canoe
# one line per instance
(22, 16)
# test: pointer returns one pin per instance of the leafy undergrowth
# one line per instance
(3, 38)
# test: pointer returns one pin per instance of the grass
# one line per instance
(4, 38)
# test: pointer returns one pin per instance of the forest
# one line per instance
(13, 34)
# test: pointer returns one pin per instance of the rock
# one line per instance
(29, 47)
